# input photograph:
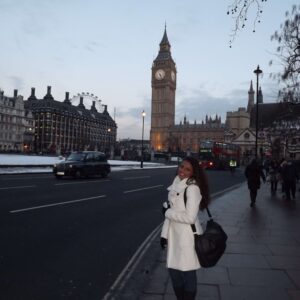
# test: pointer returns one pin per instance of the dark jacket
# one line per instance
(289, 172)
(253, 173)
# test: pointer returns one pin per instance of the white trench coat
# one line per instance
(181, 254)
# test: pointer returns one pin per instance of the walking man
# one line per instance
(253, 173)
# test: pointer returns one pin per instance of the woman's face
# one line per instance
(185, 170)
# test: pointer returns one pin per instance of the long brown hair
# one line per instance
(200, 177)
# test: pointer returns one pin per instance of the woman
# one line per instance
(253, 173)
(177, 234)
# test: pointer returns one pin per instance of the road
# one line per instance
(69, 239)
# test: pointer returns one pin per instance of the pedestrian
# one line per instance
(253, 172)
(289, 176)
(266, 166)
(274, 175)
(283, 162)
(177, 235)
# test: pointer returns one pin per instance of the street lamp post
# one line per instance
(257, 72)
(142, 154)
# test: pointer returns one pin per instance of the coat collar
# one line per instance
(178, 185)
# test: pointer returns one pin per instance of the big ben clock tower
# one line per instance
(163, 96)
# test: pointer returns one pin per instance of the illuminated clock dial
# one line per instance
(173, 76)
(160, 74)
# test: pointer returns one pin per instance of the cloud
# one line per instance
(16, 82)
(199, 103)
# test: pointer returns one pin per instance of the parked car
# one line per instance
(83, 164)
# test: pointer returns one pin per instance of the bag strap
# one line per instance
(208, 212)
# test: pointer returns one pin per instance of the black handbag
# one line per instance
(211, 244)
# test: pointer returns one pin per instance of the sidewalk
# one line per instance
(262, 259)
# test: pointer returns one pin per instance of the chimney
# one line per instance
(81, 105)
(32, 96)
(67, 98)
(105, 109)
(15, 93)
(93, 107)
(48, 95)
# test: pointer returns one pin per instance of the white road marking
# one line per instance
(18, 187)
(140, 177)
(79, 182)
(146, 188)
(55, 204)
(124, 276)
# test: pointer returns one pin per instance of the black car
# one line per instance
(83, 164)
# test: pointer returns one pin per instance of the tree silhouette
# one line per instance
(239, 10)
(288, 55)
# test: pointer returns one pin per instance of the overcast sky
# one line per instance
(106, 48)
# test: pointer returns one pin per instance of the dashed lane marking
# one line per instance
(55, 204)
(80, 182)
(142, 189)
(18, 187)
(137, 177)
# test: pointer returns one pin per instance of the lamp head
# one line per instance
(257, 71)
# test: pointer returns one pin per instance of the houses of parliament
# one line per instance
(167, 136)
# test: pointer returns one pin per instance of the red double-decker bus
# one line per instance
(216, 155)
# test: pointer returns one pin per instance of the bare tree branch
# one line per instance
(239, 10)
(288, 54)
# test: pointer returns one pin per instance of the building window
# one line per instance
(246, 135)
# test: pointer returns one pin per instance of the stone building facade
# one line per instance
(16, 124)
(61, 127)
(165, 135)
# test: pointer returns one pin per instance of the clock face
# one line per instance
(160, 74)
(173, 76)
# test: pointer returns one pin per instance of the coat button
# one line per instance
(177, 194)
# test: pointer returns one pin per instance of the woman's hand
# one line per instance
(163, 243)
(165, 207)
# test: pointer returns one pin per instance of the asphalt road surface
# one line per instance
(70, 239)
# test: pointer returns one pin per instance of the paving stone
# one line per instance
(157, 281)
(283, 262)
(230, 229)
(215, 275)
(284, 250)
(295, 276)
(204, 292)
(294, 294)
(248, 239)
(250, 293)
(243, 261)
(277, 240)
(152, 297)
(246, 248)
(260, 278)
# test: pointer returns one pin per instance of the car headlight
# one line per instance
(70, 166)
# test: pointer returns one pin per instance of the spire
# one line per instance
(251, 87)
(165, 41)
(250, 98)
(164, 48)
(260, 96)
